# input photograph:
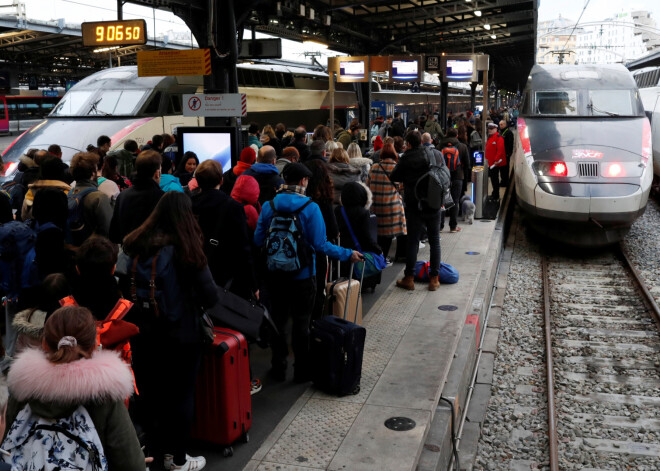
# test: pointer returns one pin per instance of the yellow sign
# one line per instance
(174, 62)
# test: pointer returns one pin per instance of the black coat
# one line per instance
(133, 207)
(303, 150)
(223, 219)
(268, 178)
(359, 218)
(412, 165)
(228, 181)
(99, 294)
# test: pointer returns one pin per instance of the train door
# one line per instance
(4, 116)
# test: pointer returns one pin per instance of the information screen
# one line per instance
(210, 143)
(405, 70)
(114, 33)
(458, 69)
(352, 69)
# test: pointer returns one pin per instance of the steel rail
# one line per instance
(552, 412)
(651, 305)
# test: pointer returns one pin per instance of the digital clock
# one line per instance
(114, 33)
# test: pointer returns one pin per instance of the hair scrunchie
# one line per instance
(67, 341)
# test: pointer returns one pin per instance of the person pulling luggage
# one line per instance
(291, 230)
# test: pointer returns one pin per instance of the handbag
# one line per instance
(373, 263)
(447, 274)
(238, 313)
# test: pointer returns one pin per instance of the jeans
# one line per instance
(385, 242)
(295, 299)
(456, 188)
(416, 221)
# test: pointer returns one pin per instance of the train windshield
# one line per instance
(556, 102)
(100, 103)
(610, 103)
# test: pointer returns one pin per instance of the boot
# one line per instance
(408, 282)
(434, 283)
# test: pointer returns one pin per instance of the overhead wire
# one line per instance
(575, 25)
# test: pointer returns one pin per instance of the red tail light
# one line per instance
(646, 143)
(558, 169)
(523, 132)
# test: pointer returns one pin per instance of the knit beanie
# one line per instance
(248, 155)
(354, 194)
(378, 143)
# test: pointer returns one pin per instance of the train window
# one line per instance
(154, 104)
(556, 102)
(610, 102)
(2, 112)
(116, 102)
(174, 106)
(73, 102)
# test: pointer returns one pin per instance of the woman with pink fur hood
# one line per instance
(70, 372)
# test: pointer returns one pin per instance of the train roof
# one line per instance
(127, 77)
(592, 77)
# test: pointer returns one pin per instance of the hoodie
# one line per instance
(170, 183)
(268, 178)
(246, 192)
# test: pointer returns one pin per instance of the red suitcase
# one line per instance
(223, 408)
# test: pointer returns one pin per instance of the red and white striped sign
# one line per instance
(215, 105)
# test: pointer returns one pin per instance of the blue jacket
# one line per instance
(313, 228)
(170, 183)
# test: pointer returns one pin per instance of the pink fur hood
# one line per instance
(102, 377)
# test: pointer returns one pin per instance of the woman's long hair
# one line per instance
(171, 223)
(181, 169)
(320, 186)
(388, 152)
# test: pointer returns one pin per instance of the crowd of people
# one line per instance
(96, 222)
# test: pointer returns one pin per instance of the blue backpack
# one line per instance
(77, 230)
(286, 248)
(154, 284)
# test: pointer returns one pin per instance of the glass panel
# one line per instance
(609, 102)
(72, 104)
(556, 102)
(130, 100)
(106, 104)
(153, 105)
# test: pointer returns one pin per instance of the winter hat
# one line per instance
(246, 190)
(248, 155)
(355, 194)
(294, 172)
(378, 143)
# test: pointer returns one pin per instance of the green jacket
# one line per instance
(434, 129)
(345, 138)
(101, 384)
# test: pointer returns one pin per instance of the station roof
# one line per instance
(651, 60)
(382, 27)
(55, 48)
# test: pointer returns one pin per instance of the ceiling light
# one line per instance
(487, 27)
(492, 36)
(477, 12)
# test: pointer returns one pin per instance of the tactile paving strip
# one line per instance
(314, 436)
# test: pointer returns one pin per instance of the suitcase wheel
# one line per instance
(245, 438)
(227, 452)
(356, 390)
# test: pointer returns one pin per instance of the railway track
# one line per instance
(603, 370)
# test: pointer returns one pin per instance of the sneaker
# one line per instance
(456, 229)
(421, 245)
(255, 386)
(193, 463)
(388, 262)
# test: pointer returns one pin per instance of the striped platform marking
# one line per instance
(207, 62)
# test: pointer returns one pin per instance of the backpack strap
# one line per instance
(68, 301)
(82, 193)
(388, 176)
(120, 310)
(350, 229)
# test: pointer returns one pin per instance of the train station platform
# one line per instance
(420, 346)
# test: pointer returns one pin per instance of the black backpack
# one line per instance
(433, 188)
(77, 230)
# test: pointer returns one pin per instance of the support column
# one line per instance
(444, 92)
(473, 95)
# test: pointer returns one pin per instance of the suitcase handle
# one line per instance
(222, 349)
(348, 292)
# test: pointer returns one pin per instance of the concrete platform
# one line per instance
(410, 347)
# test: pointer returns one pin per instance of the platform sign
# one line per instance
(114, 33)
(50, 93)
(174, 62)
(226, 105)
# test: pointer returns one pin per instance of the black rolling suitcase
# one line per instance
(337, 347)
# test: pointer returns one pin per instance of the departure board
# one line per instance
(114, 33)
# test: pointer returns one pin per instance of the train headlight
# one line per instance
(554, 169)
(9, 169)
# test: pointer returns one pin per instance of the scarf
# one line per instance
(241, 167)
(293, 189)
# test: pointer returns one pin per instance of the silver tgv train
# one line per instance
(583, 161)
(648, 81)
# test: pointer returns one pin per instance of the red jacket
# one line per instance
(246, 192)
(495, 150)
